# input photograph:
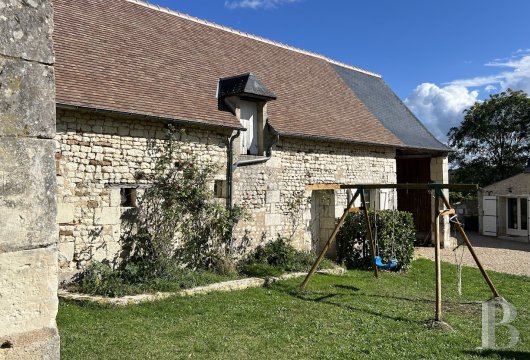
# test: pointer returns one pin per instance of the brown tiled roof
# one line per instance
(123, 56)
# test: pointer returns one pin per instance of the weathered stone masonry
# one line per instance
(97, 154)
(28, 231)
(272, 189)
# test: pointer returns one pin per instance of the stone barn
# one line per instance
(273, 117)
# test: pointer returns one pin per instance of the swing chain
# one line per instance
(393, 251)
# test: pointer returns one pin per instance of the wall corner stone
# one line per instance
(28, 228)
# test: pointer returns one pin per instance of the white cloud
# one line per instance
(441, 107)
(516, 74)
(257, 4)
(490, 88)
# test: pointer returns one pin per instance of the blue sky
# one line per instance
(438, 56)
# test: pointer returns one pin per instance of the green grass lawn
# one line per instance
(339, 317)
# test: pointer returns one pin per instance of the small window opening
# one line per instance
(128, 197)
(6, 345)
(220, 189)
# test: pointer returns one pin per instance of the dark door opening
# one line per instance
(418, 202)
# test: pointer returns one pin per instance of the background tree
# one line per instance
(492, 143)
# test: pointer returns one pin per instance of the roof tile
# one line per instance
(124, 56)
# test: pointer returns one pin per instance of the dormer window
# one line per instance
(246, 96)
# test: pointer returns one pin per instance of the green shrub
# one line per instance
(395, 239)
(281, 255)
(260, 270)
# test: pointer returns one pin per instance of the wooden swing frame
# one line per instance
(448, 210)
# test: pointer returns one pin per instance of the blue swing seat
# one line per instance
(392, 264)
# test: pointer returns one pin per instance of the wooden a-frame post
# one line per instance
(334, 234)
(437, 258)
(471, 249)
(369, 231)
(438, 195)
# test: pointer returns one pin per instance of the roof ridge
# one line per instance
(250, 36)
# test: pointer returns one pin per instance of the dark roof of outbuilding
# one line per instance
(389, 109)
(130, 56)
(245, 85)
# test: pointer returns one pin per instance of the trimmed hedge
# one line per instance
(394, 229)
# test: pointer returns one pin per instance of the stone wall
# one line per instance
(96, 157)
(97, 154)
(274, 191)
(28, 231)
(440, 174)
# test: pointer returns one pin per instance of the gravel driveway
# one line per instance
(495, 254)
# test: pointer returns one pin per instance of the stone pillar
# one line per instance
(28, 230)
(440, 174)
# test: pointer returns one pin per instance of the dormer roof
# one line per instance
(246, 85)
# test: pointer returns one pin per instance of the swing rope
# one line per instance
(375, 233)
(379, 262)
(393, 225)
(457, 261)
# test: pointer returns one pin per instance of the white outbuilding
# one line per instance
(504, 208)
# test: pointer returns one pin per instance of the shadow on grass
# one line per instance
(321, 298)
(419, 300)
(352, 291)
(500, 354)
(325, 298)
(88, 304)
(347, 287)
(403, 298)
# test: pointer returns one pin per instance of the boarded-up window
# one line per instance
(249, 120)
(221, 188)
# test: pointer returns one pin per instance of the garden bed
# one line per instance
(232, 285)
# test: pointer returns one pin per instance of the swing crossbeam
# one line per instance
(437, 188)
(401, 186)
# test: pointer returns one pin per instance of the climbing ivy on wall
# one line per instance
(177, 220)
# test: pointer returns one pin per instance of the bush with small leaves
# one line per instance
(280, 255)
(394, 232)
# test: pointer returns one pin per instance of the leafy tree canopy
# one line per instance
(492, 143)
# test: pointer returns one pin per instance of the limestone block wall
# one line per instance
(98, 155)
(440, 174)
(274, 191)
(323, 215)
(28, 232)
